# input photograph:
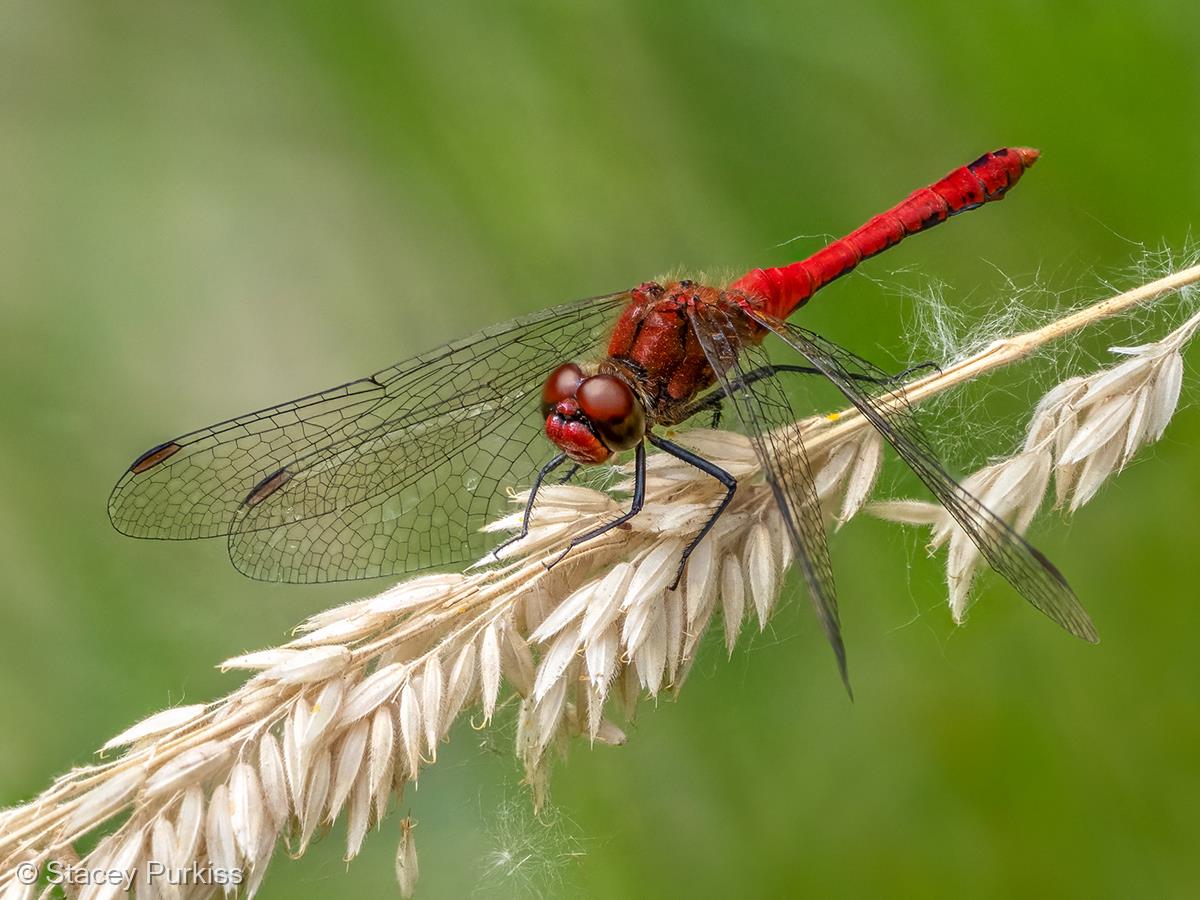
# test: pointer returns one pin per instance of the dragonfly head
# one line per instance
(591, 417)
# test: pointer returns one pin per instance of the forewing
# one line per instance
(764, 412)
(386, 474)
(1021, 564)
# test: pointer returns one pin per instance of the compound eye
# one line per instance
(561, 385)
(613, 410)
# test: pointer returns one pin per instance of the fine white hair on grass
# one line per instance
(1084, 430)
(335, 723)
(529, 854)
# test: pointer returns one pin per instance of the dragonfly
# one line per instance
(399, 471)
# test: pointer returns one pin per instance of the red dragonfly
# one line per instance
(399, 470)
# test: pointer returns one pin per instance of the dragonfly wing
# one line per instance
(764, 412)
(194, 485)
(387, 474)
(1021, 564)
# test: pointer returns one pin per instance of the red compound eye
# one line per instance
(613, 411)
(561, 385)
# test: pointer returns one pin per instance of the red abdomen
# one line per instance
(783, 290)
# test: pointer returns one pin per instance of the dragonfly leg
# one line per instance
(712, 401)
(708, 468)
(537, 483)
(570, 474)
(639, 497)
(914, 369)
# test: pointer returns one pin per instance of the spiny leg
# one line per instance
(537, 483)
(712, 401)
(570, 474)
(708, 468)
(915, 368)
(639, 498)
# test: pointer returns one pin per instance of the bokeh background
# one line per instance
(208, 207)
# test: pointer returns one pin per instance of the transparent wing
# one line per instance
(1021, 564)
(762, 407)
(386, 474)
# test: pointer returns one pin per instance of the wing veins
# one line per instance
(760, 405)
(1021, 564)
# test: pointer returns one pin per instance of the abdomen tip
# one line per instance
(1028, 155)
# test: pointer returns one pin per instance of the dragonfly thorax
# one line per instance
(655, 345)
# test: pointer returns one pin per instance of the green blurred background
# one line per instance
(208, 207)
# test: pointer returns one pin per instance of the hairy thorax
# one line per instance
(655, 348)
